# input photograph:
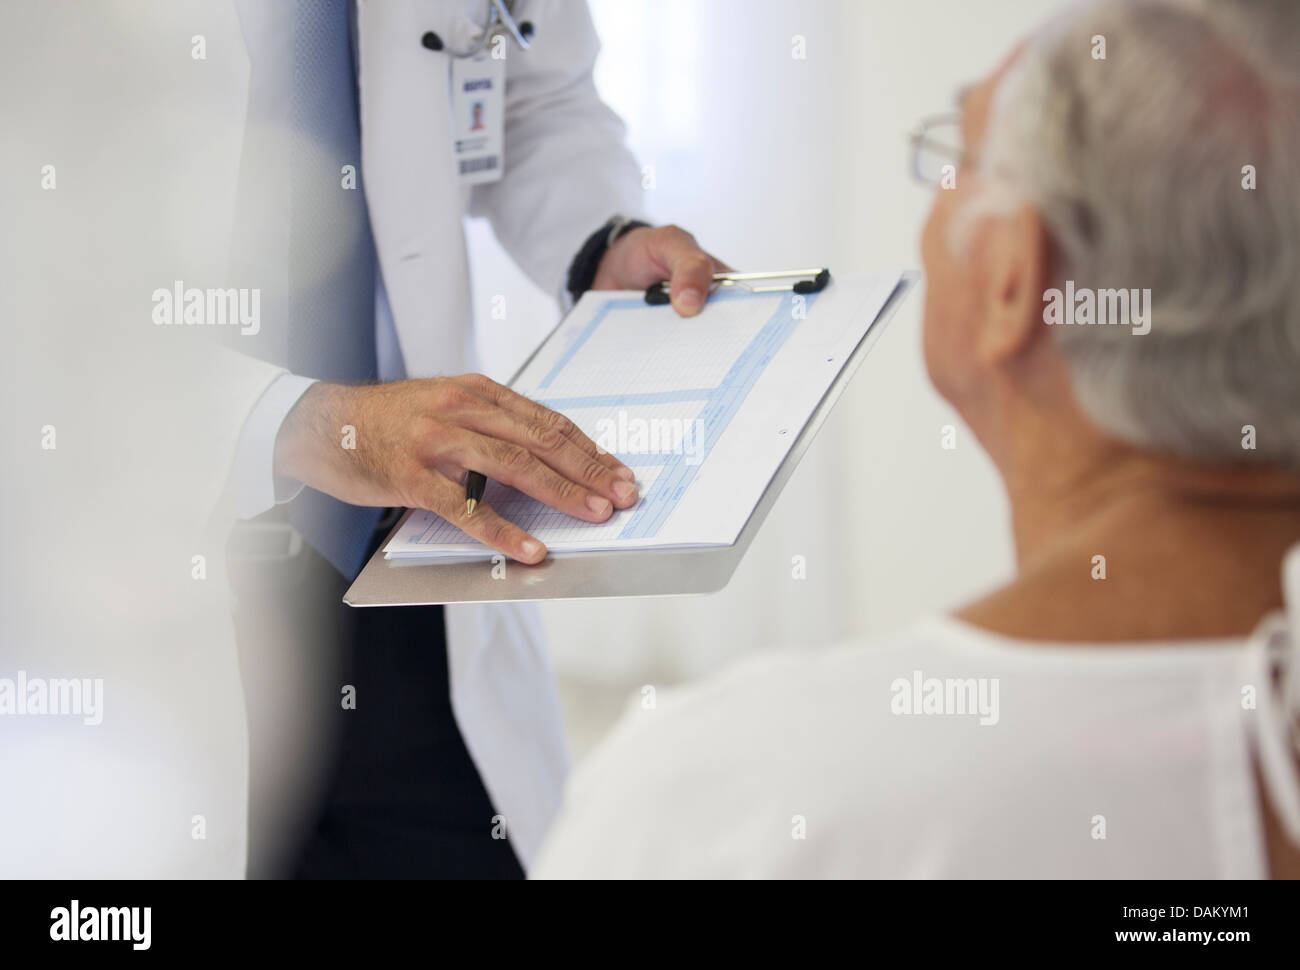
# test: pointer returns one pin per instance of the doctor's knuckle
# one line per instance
(564, 489)
(452, 398)
(480, 382)
(562, 424)
(594, 472)
(498, 532)
(678, 234)
(545, 437)
(551, 419)
(514, 458)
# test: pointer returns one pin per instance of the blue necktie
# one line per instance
(332, 261)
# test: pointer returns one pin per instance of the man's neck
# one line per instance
(1116, 545)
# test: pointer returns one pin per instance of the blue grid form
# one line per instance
(720, 404)
(629, 303)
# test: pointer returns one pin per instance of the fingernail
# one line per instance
(625, 473)
(533, 549)
(598, 505)
(690, 299)
(625, 491)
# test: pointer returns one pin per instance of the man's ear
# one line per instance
(1017, 257)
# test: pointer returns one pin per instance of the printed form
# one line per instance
(704, 410)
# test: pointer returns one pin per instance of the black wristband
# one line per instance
(582, 271)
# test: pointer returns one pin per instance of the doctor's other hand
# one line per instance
(647, 255)
(409, 444)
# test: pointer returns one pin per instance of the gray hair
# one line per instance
(1136, 164)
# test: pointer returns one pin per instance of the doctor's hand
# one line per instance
(647, 255)
(413, 441)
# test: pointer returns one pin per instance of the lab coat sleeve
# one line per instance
(253, 486)
(567, 168)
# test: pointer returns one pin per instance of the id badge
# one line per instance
(478, 103)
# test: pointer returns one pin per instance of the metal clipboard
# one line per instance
(600, 575)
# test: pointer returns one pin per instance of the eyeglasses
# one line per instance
(937, 144)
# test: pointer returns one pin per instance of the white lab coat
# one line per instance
(163, 128)
(566, 171)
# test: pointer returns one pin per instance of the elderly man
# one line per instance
(1121, 707)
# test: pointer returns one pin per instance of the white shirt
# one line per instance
(1073, 761)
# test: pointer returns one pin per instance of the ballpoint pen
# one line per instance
(475, 483)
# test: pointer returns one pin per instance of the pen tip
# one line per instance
(470, 506)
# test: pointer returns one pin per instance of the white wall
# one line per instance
(772, 162)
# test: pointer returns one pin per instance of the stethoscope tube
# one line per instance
(499, 17)
(521, 32)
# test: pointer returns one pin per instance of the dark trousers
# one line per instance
(393, 793)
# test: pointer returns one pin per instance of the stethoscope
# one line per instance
(499, 20)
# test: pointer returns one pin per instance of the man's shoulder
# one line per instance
(819, 678)
(733, 762)
(874, 757)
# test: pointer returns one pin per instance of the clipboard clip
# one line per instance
(798, 280)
